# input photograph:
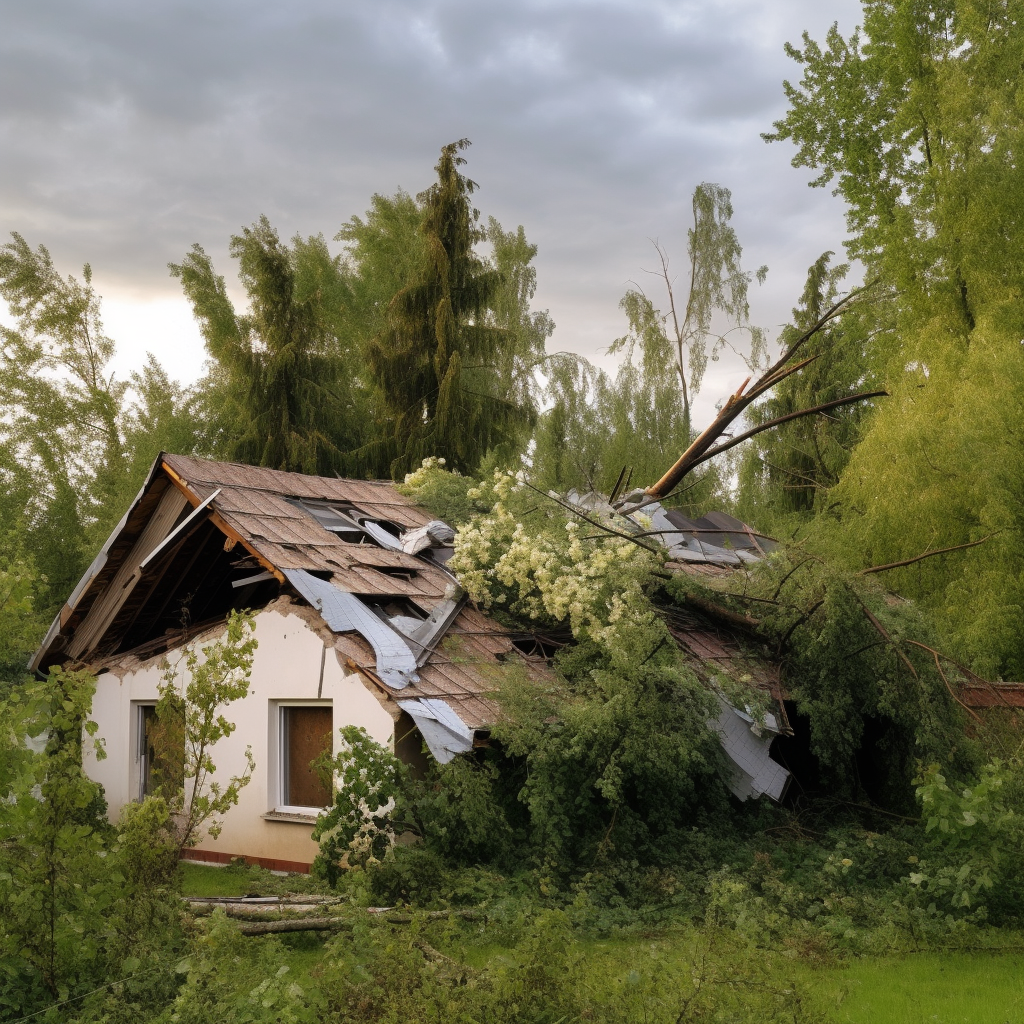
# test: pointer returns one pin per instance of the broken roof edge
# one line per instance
(95, 568)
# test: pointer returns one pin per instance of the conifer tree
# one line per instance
(432, 366)
(290, 389)
(791, 468)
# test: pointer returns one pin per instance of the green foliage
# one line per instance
(547, 975)
(859, 665)
(384, 252)
(357, 830)
(291, 385)
(615, 754)
(231, 978)
(430, 364)
(190, 713)
(717, 284)
(917, 124)
(20, 623)
(55, 892)
(75, 443)
(460, 812)
(442, 493)
(972, 857)
(792, 468)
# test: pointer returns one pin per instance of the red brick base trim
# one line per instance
(270, 863)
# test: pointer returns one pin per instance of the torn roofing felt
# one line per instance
(372, 566)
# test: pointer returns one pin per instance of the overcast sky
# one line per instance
(130, 130)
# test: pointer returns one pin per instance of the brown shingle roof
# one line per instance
(253, 502)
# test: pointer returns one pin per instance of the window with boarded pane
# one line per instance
(306, 734)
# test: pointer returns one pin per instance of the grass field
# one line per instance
(926, 988)
(920, 988)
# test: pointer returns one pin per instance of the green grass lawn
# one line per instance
(205, 880)
(925, 988)
(922, 988)
(239, 880)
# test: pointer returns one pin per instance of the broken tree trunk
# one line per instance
(705, 447)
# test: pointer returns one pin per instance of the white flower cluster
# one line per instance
(418, 477)
(563, 570)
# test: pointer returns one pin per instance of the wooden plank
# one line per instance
(109, 603)
(219, 521)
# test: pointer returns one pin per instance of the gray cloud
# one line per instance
(131, 130)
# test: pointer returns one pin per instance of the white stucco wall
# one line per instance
(286, 668)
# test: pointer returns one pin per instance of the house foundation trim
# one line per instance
(270, 863)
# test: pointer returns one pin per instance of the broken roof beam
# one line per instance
(103, 612)
(218, 520)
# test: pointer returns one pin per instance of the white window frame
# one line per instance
(278, 760)
(136, 738)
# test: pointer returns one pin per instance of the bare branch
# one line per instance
(710, 454)
(927, 554)
(739, 401)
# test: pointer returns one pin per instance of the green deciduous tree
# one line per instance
(190, 717)
(21, 625)
(677, 343)
(366, 778)
(53, 896)
(75, 442)
(916, 121)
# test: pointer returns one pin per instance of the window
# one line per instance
(306, 733)
(160, 747)
(334, 517)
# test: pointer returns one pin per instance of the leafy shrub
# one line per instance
(410, 874)
(357, 830)
(382, 975)
(233, 979)
(973, 856)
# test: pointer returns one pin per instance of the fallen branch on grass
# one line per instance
(302, 924)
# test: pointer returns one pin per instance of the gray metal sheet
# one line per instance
(345, 613)
(444, 732)
(754, 772)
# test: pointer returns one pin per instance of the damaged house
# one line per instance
(352, 600)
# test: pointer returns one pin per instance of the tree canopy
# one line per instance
(915, 121)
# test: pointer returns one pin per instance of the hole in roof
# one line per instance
(385, 524)
(399, 606)
(335, 518)
(396, 572)
(536, 646)
(353, 537)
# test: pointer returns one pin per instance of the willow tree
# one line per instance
(678, 340)
(432, 366)
(916, 122)
(289, 391)
(642, 417)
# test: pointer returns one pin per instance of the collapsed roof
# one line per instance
(203, 538)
